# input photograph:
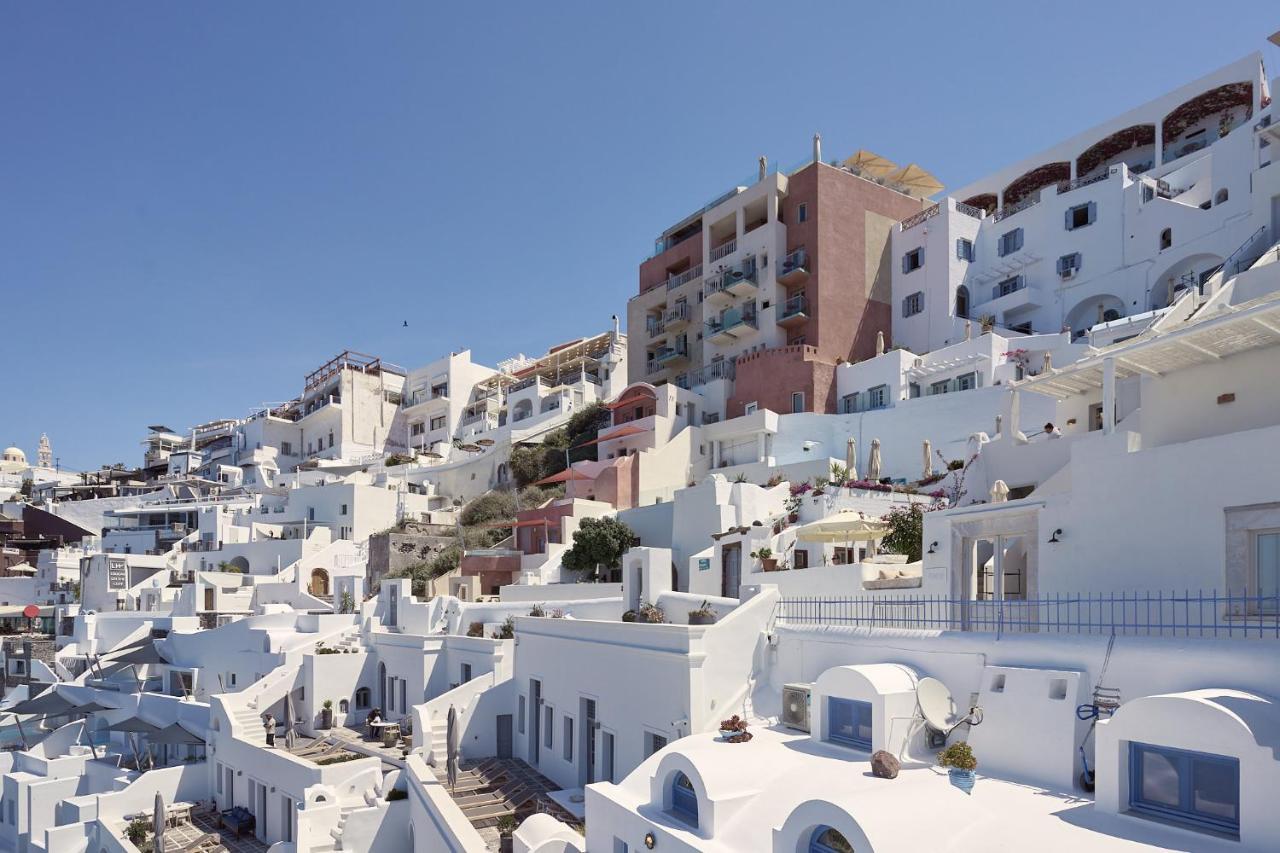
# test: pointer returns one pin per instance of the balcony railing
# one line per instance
(736, 279)
(726, 248)
(927, 213)
(795, 307)
(684, 277)
(732, 322)
(794, 268)
(1068, 186)
(723, 369)
(675, 316)
(970, 210)
(523, 384)
(1011, 209)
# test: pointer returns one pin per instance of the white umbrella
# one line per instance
(879, 343)
(873, 461)
(999, 492)
(290, 733)
(157, 824)
(845, 526)
(451, 747)
(928, 459)
(851, 458)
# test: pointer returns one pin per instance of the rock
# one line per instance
(885, 765)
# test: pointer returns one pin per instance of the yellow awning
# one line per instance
(846, 526)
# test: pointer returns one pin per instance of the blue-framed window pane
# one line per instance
(827, 840)
(1187, 787)
(849, 722)
(684, 800)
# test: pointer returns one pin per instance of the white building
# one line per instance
(1105, 225)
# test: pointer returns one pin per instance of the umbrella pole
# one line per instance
(21, 733)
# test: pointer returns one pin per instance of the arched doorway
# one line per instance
(1089, 312)
(962, 302)
(238, 564)
(1191, 271)
(319, 586)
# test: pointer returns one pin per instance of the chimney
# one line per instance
(616, 328)
(817, 148)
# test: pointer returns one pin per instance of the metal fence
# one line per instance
(1189, 614)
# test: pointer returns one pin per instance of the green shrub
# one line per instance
(958, 755)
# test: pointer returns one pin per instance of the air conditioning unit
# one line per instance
(795, 706)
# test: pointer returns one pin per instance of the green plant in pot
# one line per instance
(326, 714)
(960, 762)
(704, 615)
(768, 562)
(506, 827)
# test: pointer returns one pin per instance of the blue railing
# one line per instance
(1197, 614)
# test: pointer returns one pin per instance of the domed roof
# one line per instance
(15, 454)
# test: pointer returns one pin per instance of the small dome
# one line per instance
(15, 454)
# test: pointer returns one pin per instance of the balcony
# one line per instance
(684, 278)
(723, 369)
(731, 325)
(675, 318)
(793, 312)
(669, 356)
(654, 367)
(794, 268)
(737, 280)
(724, 249)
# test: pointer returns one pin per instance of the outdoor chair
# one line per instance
(237, 819)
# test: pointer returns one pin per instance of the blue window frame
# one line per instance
(684, 800)
(1193, 788)
(849, 722)
(827, 840)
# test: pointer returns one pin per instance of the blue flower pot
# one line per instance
(962, 779)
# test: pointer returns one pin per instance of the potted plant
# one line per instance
(704, 615)
(629, 616)
(506, 827)
(652, 614)
(960, 762)
(326, 714)
(734, 730)
(537, 611)
(765, 555)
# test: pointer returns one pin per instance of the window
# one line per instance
(343, 706)
(362, 698)
(653, 743)
(331, 438)
(878, 397)
(416, 429)
(800, 559)
(1009, 285)
(962, 302)
(913, 304)
(1266, 569)
(286, 448)
(311, 513)
(342, 510)
(964, 249)
(1193, 788)
(750, 408)
(438, 422)
(232, 679)
(967, 382)
(1166, 238)
(1010, 242)
(849, 722)
(913, 260)
(802, 212)
(218, 776)
(568, 738)
(1081, 215)
(548, 727)
(797, 402)
(520, 717)
(684, 800)
(466, 673)
(1068, 264)
(913, 390)
(827, 840)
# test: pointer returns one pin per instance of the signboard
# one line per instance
(117, 574)
(704, 564)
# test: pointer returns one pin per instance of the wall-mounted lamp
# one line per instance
(933, 548)
(1054, 538)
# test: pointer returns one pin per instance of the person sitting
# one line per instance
(374, 718)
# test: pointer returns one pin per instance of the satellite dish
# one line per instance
(936, 705)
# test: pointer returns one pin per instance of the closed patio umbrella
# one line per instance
(157, 824)
(879, 343)
(290, 730)
(999, 492)
(928, 459)
(873, 461)
(451, 747)
(851, 458)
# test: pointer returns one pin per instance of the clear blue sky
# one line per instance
(200, 202)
